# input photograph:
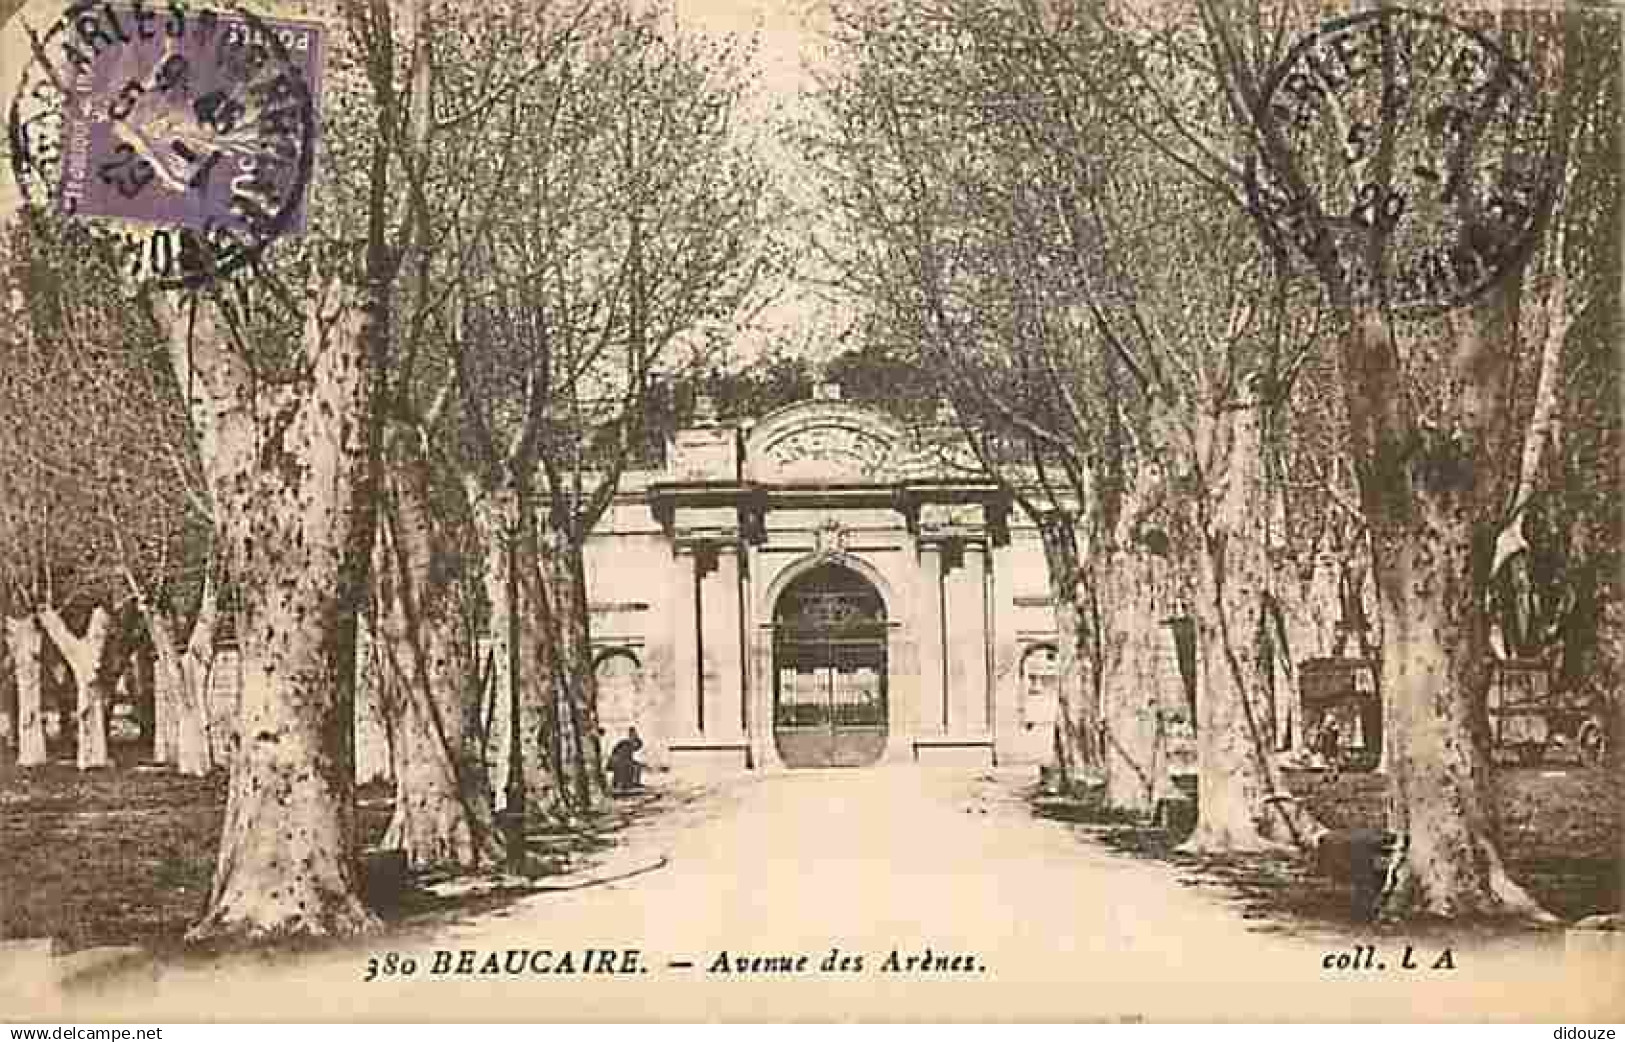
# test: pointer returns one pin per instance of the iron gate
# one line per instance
(829, 659)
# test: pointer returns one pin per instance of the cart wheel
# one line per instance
(1593, 743)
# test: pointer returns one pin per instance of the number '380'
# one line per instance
(390, 964)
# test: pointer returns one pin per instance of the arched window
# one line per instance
(1040, 685)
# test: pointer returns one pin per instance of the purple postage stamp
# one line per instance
(197, 124)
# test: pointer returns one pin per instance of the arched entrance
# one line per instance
(1040, 686)
(829, 670)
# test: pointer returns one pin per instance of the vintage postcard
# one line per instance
(786, 510)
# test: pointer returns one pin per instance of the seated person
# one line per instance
(1329, 744)
(625, 770)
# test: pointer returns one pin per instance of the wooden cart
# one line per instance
(1532, 723)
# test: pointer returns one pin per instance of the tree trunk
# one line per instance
(84, 656)
(443, 805)
(204, 740)
(1077, 717)
(286, 863)
(374, 712)
(181, 681)
(1429, 494)
(290, 472)
(564, 584)
(1439, 771)
(504, 521)
(1233, 568)
(1232, 745)
(168, 699)
(541, 745)
(491, 535)
(24, 638)
(1133, 654)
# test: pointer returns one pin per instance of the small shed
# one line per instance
(1342, 711)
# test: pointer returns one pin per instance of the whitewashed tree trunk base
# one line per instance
(25, 639)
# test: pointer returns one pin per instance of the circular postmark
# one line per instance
(1405, 158)
(183, 134)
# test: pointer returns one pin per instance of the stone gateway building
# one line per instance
(820, 588)
(825, 587)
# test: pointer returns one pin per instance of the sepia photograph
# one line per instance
(811, 510)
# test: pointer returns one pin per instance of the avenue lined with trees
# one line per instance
(1098, 234)
(1061, 210)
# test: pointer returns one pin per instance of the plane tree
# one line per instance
(285, 367)
(1439, 399)
(635, 237)
(921, 237)
(97, 516)
(437, 596)
(1118, 326)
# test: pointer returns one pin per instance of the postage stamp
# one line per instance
(1406, 159)
(187, 133)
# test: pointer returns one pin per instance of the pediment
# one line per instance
(823, 443)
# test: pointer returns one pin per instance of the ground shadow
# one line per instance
(1559, 834)
(125, 856)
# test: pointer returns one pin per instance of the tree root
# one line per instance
(234, 925)
(1496, 897)
(1212, 841)
(1281, 826)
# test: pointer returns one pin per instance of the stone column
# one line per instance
(685, 665)
(759, 648)
(1007, 692)
(721, 681)
(745, 642)
(967, 643)
(932, 705)
(764, 753)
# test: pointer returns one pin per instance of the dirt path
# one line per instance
(1032, 920)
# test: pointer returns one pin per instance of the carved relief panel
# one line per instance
(831, 455)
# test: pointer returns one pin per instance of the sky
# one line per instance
(788, 33)
(786, 27)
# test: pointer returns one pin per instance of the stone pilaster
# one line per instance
(1007, 688)
(685, 700)
(967, 629)
(722, 668)
(933, 705)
